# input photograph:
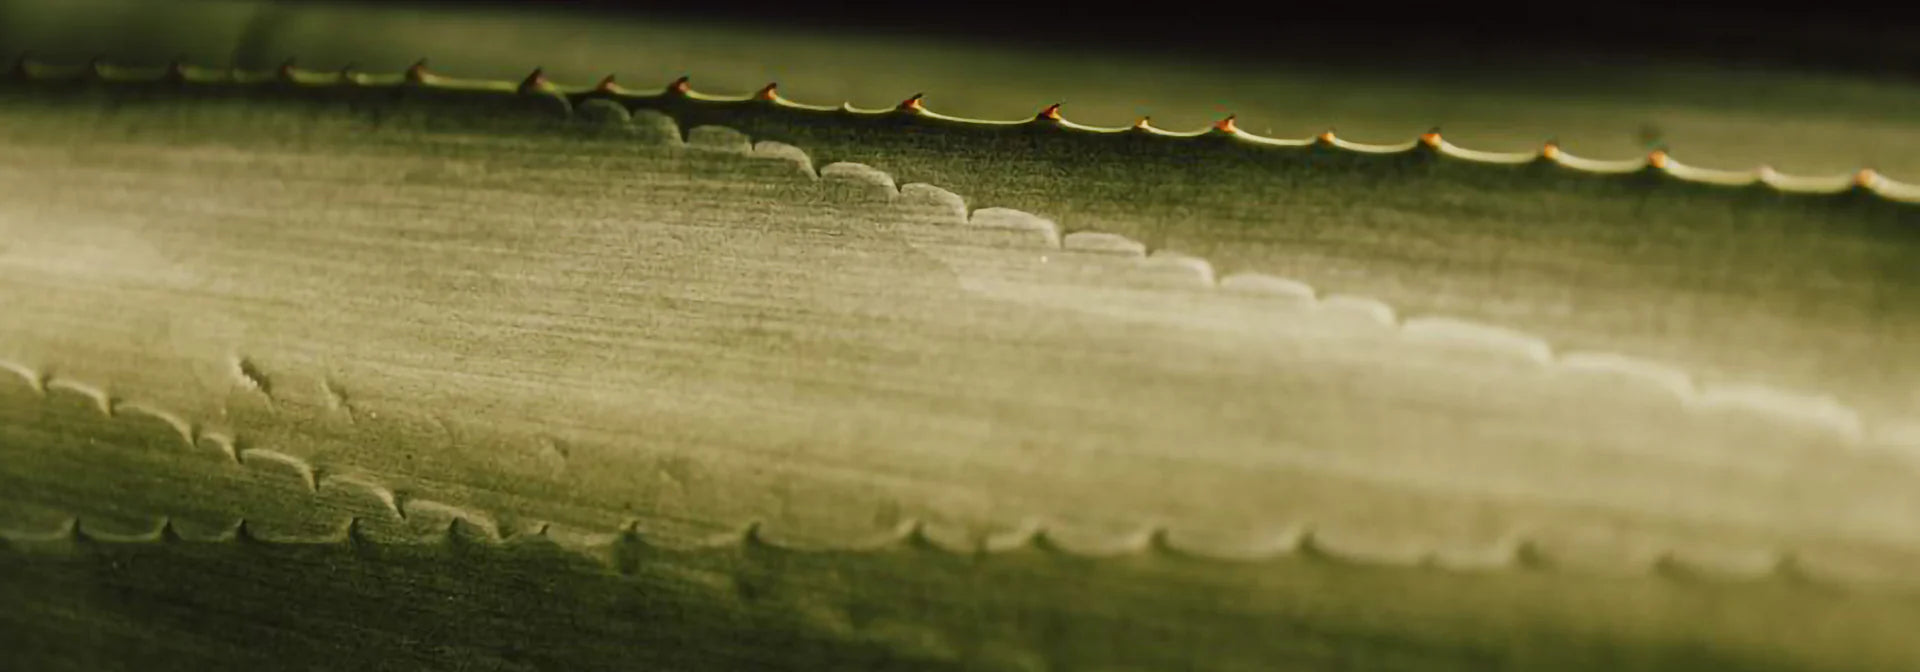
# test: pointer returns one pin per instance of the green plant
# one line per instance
(525, 375)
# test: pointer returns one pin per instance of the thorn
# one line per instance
(536, 81)
(346, 74)
(913, 104)
(1866, 178)
(1431, 138)
(1227, 125)
(97, 68)
(1052, 113)
(1326, 136)
(770, 92)
(417, 73)
(1657, 158)
(1143, 123)
(680, 86)
(1551, 149)
(286, 70)
(607, 85)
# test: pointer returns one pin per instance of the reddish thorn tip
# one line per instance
(1143, 122)
(914, 104)
(769, 92)
(1866, 177)
(606, 84)
(1431, 137)
(1227, 125)
(1052, 113)
(681, 85)
(1326, 136)
(1657, 158)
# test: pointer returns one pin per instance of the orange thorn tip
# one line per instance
(769, 92)
(1227, 125)
(1052, 113)
(1657, 158)
(1866, 177)
(1326, 136)
(1143, 123)
(1432, 137)
(681, 85)
(914, 103)
(1550, 150)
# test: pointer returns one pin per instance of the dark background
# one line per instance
(1876, 40)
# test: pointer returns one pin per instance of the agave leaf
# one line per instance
(445, 320)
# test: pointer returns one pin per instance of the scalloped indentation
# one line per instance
(928, 204)
(20, 380)
(1361, 307)
(122, 529)
(808, 538)
(927, 535)
(719, 139)
(1814, 411)
(1025, 229)
(1179, 270)
(313, 532)
(1512, 553)
(1239, 546)
(1101, 242)
(30, 523)
(217, 444)
(154, 428)
(205, 530)
(1356, 546)
(650, 127)
(276, 467)
(857, 182)
(1673, 382)
(604, 114)
(1453, 333)
(780, 151)
(72, 395)
(360, 497)
(429, 520)
(1269, 285)
(1089, 543)
(574, 538)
